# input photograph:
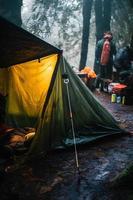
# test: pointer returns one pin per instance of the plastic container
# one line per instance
(123, 100)
(118, 99)
(113, 98)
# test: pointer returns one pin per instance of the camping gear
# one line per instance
(111, 86)
(90, 77)
(123, 100)
(113, 98)
(90, 73)
(31, 77)
(118, 99)
(118, 88)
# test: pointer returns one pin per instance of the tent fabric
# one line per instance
(37, 96)
(18, 45)
(28, 85)
(91, 119)
(51, 130)
(4, 79)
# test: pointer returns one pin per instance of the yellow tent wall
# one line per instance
(26, 86)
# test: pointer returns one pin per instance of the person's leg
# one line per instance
(109, 72)
(97, 71)
(97, 81)
(102, 76)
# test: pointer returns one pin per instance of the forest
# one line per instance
(74, 26)
(80, 24)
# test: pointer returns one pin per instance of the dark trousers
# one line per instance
(105, 72)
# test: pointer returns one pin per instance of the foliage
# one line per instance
(87, 8)
(59, 17)
(60, 22)
(122, 22)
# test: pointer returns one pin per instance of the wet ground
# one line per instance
(55, 177)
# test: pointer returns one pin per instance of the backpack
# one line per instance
(122, 59)
(105, 53)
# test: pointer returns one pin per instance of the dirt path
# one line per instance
(56, 177)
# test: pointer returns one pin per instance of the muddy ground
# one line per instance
(55, 177)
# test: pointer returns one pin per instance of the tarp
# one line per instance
(91, 120)
(40, 92)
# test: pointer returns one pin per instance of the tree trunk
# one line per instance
(11, 10)
(131, 3)
(107, 15)
(87, 6)
(103, 18)
(99, 19)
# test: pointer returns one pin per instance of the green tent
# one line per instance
(42, 91)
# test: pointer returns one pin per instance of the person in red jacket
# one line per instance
(105, 50)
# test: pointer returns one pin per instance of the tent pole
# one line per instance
(66, 81)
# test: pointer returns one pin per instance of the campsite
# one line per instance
(45, 166)
(55, 176)
(66, 100)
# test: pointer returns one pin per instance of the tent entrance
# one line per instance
(25, 87)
